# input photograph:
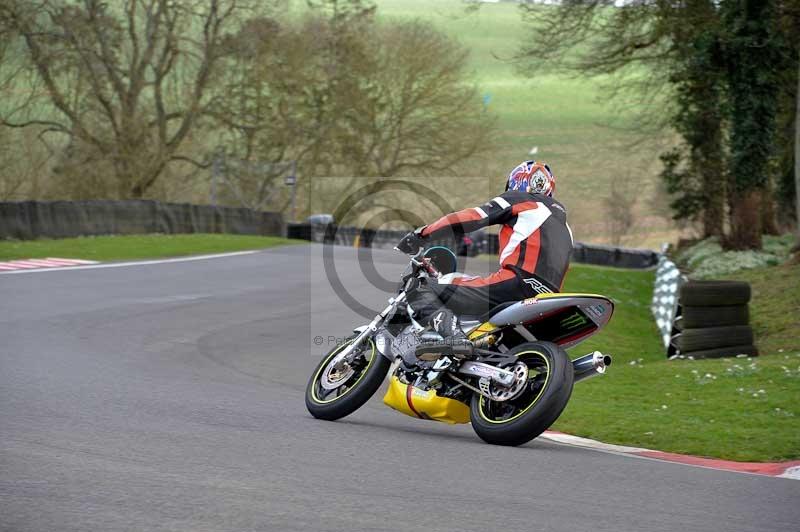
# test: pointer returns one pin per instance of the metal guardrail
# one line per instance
(25, 220)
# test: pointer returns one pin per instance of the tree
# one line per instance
(698, 116)
(361, 99)
(797, 155)
(416, 115)
(665, 52)
(619, 205)
(789, 116)
(125, 83)
(752, 50)
(721, 62)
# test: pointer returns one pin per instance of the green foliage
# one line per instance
(674, 49)
(719, 63)
(753, 50)
(699, 191)
(708, 260)
(683, 185)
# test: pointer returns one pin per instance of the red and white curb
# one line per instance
(789, 470)
(38, 264)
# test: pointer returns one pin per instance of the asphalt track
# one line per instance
(170, 397)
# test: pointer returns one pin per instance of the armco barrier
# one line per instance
(27, 220)
(613, 256)
(584, 253)
(298, 231)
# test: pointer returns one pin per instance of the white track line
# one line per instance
(577, 441)
(70, 262)
(792, 472)
(132, 263)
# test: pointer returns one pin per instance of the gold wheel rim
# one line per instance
(532, 403)
(324, 365)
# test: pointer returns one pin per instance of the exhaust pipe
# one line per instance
(590, 365)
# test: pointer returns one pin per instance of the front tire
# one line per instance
(519, 420)
(366, 373)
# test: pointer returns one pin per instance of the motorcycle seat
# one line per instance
(488, 314)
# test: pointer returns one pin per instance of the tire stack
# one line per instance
(713, 320)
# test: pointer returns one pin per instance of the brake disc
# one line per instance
(499, 393)
(334, 375)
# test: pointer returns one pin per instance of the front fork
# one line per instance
(369, 330)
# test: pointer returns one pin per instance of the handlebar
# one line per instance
(428, 266)
(420, 261)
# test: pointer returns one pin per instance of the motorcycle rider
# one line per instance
(535, 248)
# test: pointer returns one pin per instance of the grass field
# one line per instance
(106, 248)
(775, 308)
(738, 409)
(567, 119)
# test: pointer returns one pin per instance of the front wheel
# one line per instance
(337, 390)
(536, 407)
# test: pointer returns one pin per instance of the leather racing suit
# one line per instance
(535, 247)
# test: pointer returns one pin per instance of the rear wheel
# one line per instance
(531, 412)
(337, 390)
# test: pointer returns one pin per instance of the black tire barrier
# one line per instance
(27, 220)
(613, 256)
(690, 340)
(724, 316)
(720, 352)
(364, 237)
(298, 231)
(714, 293)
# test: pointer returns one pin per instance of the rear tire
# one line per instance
(357, 389)
(537, 408)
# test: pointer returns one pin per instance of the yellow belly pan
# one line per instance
(423, 404)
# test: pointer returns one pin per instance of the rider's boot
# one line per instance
(455, 342)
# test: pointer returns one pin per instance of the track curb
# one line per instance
(94, 265)
(790, 469)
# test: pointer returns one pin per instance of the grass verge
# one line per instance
(737, 409)
(128, 247)
(775, 309)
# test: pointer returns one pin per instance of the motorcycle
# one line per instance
(511, 388)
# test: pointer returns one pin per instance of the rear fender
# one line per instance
(565, 319)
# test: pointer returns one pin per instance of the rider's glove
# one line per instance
(410, 243)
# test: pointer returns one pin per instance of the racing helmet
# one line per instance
(534, 177)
